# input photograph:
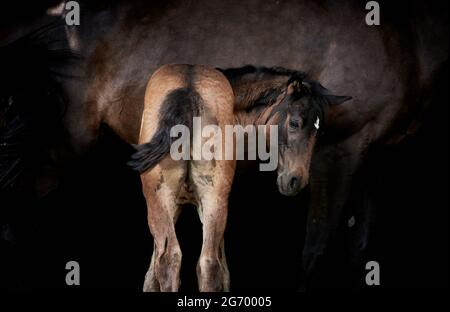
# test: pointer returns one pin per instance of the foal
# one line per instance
(262, 96)
(174, 95)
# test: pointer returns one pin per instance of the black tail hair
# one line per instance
(179, 108)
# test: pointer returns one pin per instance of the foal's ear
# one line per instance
(293, 87)
(336, 99)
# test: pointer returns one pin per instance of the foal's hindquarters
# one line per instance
(175, 94)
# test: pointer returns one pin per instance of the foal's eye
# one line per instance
(293, 124)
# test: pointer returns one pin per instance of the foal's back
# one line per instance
(176, 94)
(209, 92)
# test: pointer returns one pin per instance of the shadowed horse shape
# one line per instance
(32, 103)
(175, 95)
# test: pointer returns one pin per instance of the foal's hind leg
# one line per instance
(213, 183)
(160, 189)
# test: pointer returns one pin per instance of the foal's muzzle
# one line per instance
(290, 184)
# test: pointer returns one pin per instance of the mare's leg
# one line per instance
(161, 186)
(213, 184)
(332, 174)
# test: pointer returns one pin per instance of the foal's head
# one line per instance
(294, 102)
(300, 116)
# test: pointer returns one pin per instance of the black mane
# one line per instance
(268, 96)
(237, 72)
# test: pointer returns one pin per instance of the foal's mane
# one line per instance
(260, 86)
(236, 72)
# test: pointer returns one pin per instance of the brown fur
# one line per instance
(172, 183)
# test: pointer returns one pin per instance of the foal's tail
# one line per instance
(179, 108)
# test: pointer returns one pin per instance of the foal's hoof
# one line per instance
(150, 284)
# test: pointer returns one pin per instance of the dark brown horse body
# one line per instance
(389, 70)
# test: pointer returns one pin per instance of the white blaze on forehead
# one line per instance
(316, 124)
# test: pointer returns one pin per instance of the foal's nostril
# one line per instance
(293, 183)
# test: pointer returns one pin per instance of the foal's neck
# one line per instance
(255, 99)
